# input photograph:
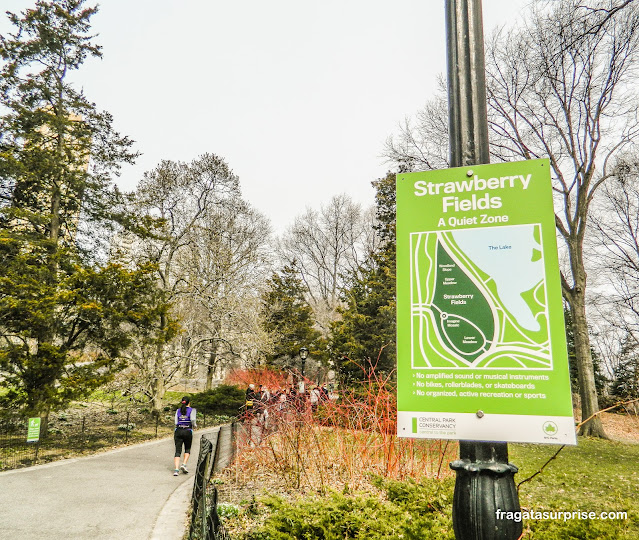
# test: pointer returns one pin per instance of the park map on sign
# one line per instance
(478, 299)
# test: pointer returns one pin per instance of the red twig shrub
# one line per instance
(337, 442)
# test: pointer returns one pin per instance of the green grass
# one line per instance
(595, 476)
(598, 476)
(173, 398)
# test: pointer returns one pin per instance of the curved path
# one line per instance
(127, 493)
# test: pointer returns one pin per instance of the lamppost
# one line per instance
(303, 356)
(485, 480)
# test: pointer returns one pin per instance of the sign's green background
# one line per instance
(33, 430)
(417, 214)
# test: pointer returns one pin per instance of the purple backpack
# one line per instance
(184, 420)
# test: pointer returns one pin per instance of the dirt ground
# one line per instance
(621, 427)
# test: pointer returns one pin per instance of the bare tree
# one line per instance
(371, 239)
(226, 262)
(422, 145)
(556, 89)
(616, 226)
(325, 245)
(209, 252)
(559, 87)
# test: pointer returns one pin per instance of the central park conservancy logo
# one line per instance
(550, 429)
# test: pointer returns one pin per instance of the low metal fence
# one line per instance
(217, 451)
(77, 432)
(73, 433)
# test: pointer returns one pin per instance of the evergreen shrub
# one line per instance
(401, 510)
(223, 400)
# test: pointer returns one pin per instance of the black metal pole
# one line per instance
(485, 480)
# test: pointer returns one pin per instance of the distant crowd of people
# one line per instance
(261, 404)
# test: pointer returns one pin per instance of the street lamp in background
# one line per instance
(303, 357)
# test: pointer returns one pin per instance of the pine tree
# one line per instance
(288, 318)
(626, 373)
(600, 378)
(365, 335)
(65, 311)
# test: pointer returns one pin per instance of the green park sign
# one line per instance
(33, 430)
(481, 342)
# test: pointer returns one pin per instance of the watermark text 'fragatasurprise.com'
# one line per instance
(559, 515)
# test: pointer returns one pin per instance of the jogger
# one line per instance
(185, 421)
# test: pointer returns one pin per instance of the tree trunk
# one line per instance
(210, 370)
(213, 368)
(157, 384)
(44, 421)
(585, 369)
(157, 393)
(214, 357)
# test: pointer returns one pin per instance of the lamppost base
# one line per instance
(485, 493)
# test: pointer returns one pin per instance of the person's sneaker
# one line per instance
(184, 469)
(176, 472)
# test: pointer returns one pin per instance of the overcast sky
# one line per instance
(298, 96)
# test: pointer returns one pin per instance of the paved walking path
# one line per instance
(128, 493)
